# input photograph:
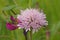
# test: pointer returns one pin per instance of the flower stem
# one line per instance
(47, 34)
(25, 34)
(31, 34)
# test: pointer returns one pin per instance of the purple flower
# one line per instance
(32, 18)
(12, 18)
(10, 26)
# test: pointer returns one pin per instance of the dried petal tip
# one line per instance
(10, 26)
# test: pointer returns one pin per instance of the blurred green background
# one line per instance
(50, 7)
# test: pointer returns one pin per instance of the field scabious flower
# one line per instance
(31, 18)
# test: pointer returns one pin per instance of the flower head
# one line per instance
(10, 26)
(12, 18)
(31, 18)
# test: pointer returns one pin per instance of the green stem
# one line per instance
(31, 34)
